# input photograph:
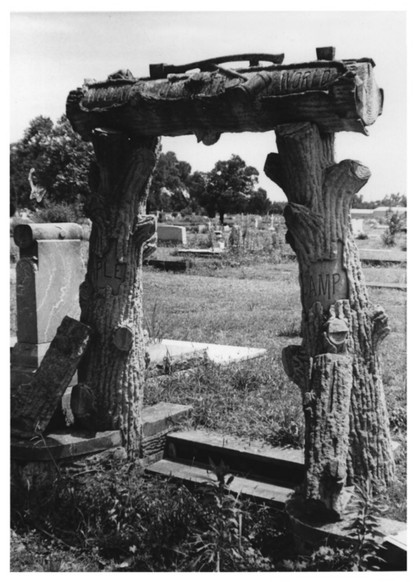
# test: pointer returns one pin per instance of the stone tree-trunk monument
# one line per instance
(336, 366)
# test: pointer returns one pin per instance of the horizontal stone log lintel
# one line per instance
(336, 95)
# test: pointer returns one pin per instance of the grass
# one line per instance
(222, 310)
(255, 313)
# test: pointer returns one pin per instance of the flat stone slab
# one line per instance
(256, 460)
(241, 446)
(64, 445)
(262, 492)
(175, 351)
(216, 353)
(70, 443)
(163, 416)
(201, 252)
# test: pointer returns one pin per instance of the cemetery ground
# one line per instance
(126, 520)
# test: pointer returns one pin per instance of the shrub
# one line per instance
(59, 212)
(129, 521)
(395, 223)
(220, 542)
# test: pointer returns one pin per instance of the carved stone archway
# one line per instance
(336, 366)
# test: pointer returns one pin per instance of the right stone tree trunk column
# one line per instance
(337, 365)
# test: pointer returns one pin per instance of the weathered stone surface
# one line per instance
(33, 405)
(47, 289)
(26, 235)
(163, 417)
(28, 355)
(111, 295)
(336, 366)
(216, 353)
(165, 359)
(63, 445)
(336, 95)
(83, 406)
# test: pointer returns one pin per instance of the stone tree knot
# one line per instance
(380, 327)
(335, 333)
(145, 234)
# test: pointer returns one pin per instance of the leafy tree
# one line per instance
(196, 183)
(56, 160)
(169, 190)
(277, 207)
(259, 203)
(394, 200)
(229, 187)
(389, 200)
(359, 203)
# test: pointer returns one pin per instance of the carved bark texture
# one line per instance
(336, 95)
(111, 295)
(336, 366)
(33, 404)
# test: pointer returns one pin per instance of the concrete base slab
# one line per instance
(311, 533)
(258, 491)
(201, 252)
(65, 444)
(72, 443)
(175, 351)
(163, 416)
(216, 353)
(254, 460)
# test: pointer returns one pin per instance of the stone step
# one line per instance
(262, 492)
(254, 460)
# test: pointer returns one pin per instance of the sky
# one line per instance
(51, 53)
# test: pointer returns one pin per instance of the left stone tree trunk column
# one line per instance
(112, 371)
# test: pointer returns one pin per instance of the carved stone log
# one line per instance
(111, 295)
(337, 365)
(336, 95)
(33, 404)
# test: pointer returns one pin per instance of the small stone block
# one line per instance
(162, 417)
(326, 53)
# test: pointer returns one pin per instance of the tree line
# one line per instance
(49, 166)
